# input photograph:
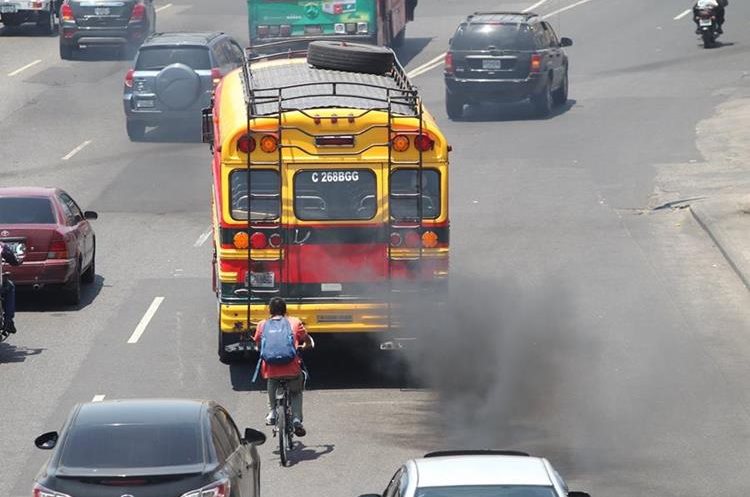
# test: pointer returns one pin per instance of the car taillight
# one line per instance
(129, 78)
(139, 13)
(66, 13)
(220, 489)
(40, 491)
(216, 76)
(536, 63)
(449, 69)
(58, 249)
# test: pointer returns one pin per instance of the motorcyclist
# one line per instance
(291, 371)
(8, 291)
(717, 6)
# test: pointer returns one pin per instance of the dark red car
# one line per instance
(60, 243)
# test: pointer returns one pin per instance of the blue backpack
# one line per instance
(277, 342)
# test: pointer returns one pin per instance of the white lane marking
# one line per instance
(145, 320)
(204, 236)
(538, 4)
(564, 9)
(22, 69)
(428, 64)
(420, 71)
(163, 7)
(98, 398)
(683, 14)
(77, 149)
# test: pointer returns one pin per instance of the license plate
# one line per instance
(262, 280)
(102, 11)
(706, 22)
(8, 9)
(492, 64)
(144, 104)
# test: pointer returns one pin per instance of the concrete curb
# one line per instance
(723, 242)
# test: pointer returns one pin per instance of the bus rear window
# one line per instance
(263, 198)
(335, 195)
(405, 194)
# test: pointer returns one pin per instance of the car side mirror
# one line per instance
(566, 42)
(254, 437)
(91, 215)
(578, 494)
(47, 441)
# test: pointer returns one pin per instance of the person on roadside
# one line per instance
(280, 331)
(717, 6)
(8, 291)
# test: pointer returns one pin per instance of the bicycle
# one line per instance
(284, 427)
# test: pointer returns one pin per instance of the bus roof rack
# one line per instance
(477, 452)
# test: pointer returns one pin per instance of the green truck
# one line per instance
(381, 22)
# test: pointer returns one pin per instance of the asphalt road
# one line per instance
(617, 335)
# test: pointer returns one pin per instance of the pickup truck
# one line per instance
(44, 13)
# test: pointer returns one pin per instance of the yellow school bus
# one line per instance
(330, 189)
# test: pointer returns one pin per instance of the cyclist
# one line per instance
(291, 371)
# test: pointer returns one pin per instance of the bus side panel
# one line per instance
(337, 263)
(397, 8)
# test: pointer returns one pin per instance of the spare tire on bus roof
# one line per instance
(351, 57)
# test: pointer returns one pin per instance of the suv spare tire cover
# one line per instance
(352, 57)
(178, 86)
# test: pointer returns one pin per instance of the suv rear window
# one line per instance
(133, 446)
(157, 58)
(335, 195)
(26, 211)
(506, 36)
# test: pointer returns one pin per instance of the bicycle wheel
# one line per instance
(281, 426)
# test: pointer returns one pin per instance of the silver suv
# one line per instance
(173, 78)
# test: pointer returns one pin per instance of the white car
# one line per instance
(43, 13)
(477, 473)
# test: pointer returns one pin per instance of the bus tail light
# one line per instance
(400, 143)
(424, 143)
(269, 144)
(258, 241)
(413, 240)
(396, 239)
(429, 239)
(275, 240)
(246, 144)
(241, 240)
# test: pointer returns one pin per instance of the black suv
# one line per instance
(123, 24)
(174, 77)
(505, 57)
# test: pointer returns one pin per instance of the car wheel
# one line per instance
(66, 52)
(89, 275)
(72, 290)
(543, 101)
(454, 106)
(353, 57)
(47, 23)
(560, 96)
(136, 130)
(11, 20)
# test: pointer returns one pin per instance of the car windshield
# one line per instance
(507, 36)
(156, 58)
(133, 445)
(488, 491)
(335, 195)
(20, 210)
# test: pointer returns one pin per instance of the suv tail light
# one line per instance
(66, 13)
(139, 13)
(449, 69)
(216, 76)
(220, 489)
(536, 63)
(58, 248)
(129, 78)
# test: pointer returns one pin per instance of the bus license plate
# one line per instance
(262, 280)
(8, 8)
(493, 64)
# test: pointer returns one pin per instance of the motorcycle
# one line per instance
(19, 249)
(708, 27)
